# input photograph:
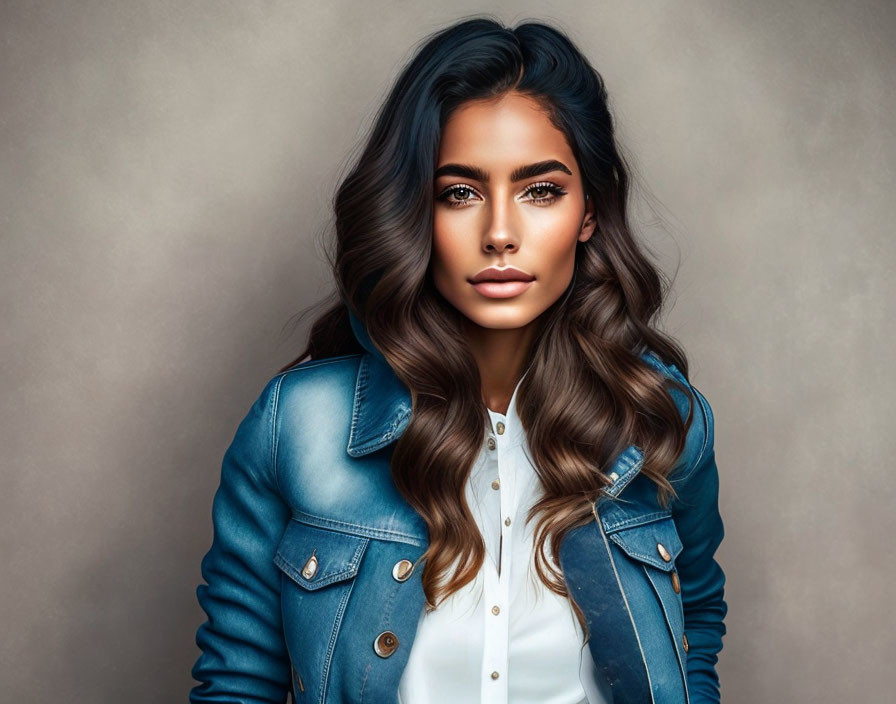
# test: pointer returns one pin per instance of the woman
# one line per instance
(488, 477)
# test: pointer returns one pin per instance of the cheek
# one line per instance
(447, 260)
(556, 258)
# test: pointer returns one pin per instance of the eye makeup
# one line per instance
(552, 188)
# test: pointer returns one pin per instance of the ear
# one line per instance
(589, 224)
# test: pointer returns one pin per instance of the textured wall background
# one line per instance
(165, 169)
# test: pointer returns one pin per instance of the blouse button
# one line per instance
(385, 644)
(614, 476)
(402, 570)
(496, 485)
(507, 521)
(496, 609)
(500, 428)
(495, 675)
(661, 549)
(491, 443)
(684, 641)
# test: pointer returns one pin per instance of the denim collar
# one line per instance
(382, 407)
(382, 403)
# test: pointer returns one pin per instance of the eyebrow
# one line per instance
(520, 173)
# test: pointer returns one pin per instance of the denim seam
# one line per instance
(702, 402)
(275, 436)
(638, 520)
(340, 613)
(681, 666)
(359, 396)
(628, 610)
(311, 363)
(702, 452)
(680, 603)
(386, 610)
(398, 420)
(364, 683)
(367, 531)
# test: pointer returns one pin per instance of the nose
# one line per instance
(500, 231)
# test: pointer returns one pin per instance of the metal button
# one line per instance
(385, 644)
(507, 521)
(663, 552)
(496, 485)
(614, 476)
(310, 567)
(684, 640)
(402, 570)
(676, 585)
(496, 610)
(491, 443)
(500, 428)
(495, 675)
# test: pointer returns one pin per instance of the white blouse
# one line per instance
(504, 637)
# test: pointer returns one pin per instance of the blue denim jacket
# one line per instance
(307, 583)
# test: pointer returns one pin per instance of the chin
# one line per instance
(499, 320)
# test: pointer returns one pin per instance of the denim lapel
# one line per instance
(381, 408)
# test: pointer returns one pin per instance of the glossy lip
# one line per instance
(508, 273)
(502, 289)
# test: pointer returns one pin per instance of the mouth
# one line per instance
(502, 289)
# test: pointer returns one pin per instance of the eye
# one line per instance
(545, 193)
(460, 191)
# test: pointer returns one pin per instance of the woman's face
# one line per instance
(488, 215)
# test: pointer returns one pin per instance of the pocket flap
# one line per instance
(337, 555)
(647, 542)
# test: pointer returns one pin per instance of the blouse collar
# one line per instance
(510, 421)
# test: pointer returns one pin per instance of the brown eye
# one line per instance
(544, 193)
(457, 196)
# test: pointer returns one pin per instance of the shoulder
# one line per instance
(296, 404)
(315, 376)
(309, 387)
(690, 402)
(314, 387)
(315, 379)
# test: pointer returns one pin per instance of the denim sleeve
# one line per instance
(696, 514)
(244, 657)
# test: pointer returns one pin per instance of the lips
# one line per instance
(502, 289)
(499, 281)
(494, 274)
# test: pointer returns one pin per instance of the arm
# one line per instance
(244, 657)
(696, 514)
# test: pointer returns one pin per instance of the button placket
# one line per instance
(495, 638)
(483, 496)
(497, 582)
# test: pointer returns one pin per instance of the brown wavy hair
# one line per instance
(587, 394)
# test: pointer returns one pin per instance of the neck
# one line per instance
(501, 356)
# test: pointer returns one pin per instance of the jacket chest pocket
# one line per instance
(653, 546)
(319, 568)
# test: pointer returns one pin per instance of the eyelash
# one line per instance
(552, 187)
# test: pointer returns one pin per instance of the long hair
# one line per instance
(587, 394)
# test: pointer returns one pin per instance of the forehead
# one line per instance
(502, 134)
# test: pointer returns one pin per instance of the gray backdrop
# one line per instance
(166, 173)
